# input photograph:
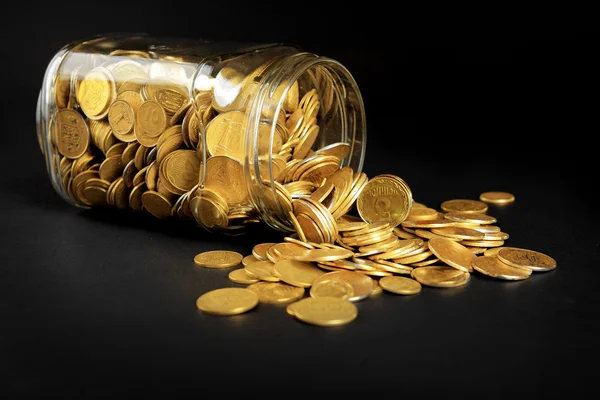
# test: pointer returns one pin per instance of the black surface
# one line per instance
(96, 303)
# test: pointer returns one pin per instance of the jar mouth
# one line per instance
(340, 118)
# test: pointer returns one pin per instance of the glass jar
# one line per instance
(222, 134)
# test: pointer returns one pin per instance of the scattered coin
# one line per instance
(497, 197)
(464, 206)
(533, 260)
(492, 266)
(362, 285)
(227, 301)
(452, 253)
(332, 288)
(276, 292)
(325, 311)
(440, 276)
(218, 259)
(242, 276)
(400, 285)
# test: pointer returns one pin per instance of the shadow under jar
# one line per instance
(217, 133)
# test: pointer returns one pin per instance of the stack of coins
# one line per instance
(396, 245)
(129, 134)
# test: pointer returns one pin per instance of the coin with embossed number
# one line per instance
(385, 198)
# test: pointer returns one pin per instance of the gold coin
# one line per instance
(452, 253)
(492, 266)
(476, 250)
(276, 292)
(497, 197)
(347, 226)
(427, 234)
(111, 168)
(225, 135)
(242, 276)
(227, 301)
(483, 243)
(181, 169)
(121, 120)
(96, 92)
(298, 242)
(470, 218)
(297, 273)
(458, 233)
(394, 267)
(440, 276)
(530, 259)
(263, 270)
(464, 206)
(325, 311)
(376, 288)
(425, 263)
(440, 222)
(170, 95)
(248, 259)
(94, 195)
(481, 228)
(218, 259)
(151, 122)
(385, 198)
(287, 250)
(403, 234)
(496, 235)
(332, 288)
(492, 252)
(422, 214)
(225, 176)
(339, 150)
(260, 251)
(306, 143)
(209, 209)
(362, 285)
(72, 134)
(156, 204)
(324, 254)
(413, 258)
(400, 285)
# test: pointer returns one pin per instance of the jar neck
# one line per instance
(341, 118)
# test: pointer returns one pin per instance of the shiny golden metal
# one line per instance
(276, 292)
(385, 198)
(464, 206)
(242, 276)
(227, 301)
(530, 259)
(400, 285)
(218, 259)
(440, 276)
(325, 311)
(452, 253)
(492, 266)
(497, 197)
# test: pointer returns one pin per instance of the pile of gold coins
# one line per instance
(396, 245)
(130, 137)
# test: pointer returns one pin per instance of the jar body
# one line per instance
(218, 133)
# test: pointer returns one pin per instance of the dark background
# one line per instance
(459, 101)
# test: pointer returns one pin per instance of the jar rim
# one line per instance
(290, 69)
